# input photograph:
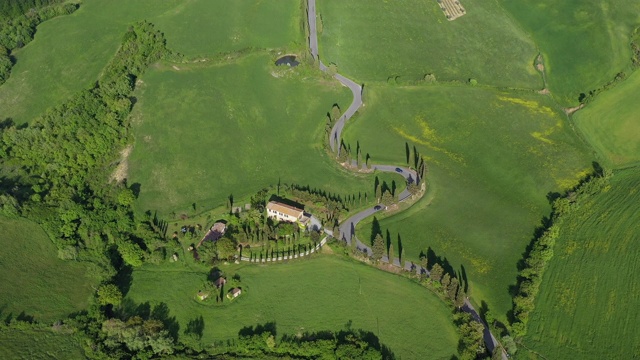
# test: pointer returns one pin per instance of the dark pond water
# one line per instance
(289, 60)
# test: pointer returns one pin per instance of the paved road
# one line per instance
(410, 175)
(489, 339)
(347, 229)
(313, 32)
(356, 90)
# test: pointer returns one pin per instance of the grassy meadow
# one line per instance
(377, 40)
(35, 282)
(38, 344)
(585, 43)
(589, 300)
(208, 131)
(324, 292)
(68, 52)
(611, 123)
(492, 156)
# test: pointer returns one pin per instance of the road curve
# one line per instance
(356, 90)
(347, 229)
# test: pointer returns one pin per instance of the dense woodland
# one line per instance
(13, 8)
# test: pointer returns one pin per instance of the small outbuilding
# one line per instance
(220, 282)
(215, 233)
(234, 293)
(202, 295)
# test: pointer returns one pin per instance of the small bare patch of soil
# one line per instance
(326, 250)
(571, 110)
(175, 68)
(544, 91)
(121, 171)
(390, 268)
(540, 67)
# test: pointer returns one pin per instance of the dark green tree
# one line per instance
(226, 248)
(436, 272)
(445, 281)
(452, 288)
(109, 294)
(379, 248)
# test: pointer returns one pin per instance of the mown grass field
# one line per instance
(589, 300)
(611, 123)
(34, 280)
(585, 42)
(322, 293)
(376, 40)
(206, 132)
(38, 344)
(69, 52)
(492, 157)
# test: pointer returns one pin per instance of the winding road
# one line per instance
(347, 229)
(356, 89)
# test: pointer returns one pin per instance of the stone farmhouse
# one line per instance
(283, 212)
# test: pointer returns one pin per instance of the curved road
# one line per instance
(356, 89)
(347, 229)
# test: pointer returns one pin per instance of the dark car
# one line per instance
(377, 207)
(398, 170)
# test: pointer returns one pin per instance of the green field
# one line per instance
(38, 344)
(315, 294)
(611, 123)
(589, 300)
(206, 132)
(34, 280)
(375, 40)
(585, 43)
(493, 157)
(69, 52)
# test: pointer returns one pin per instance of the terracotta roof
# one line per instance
(221, 281)
(284, 208)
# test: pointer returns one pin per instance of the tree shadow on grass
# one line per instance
(433, 259)
(269, 327)
(161, 312)
(22, 317)
(195, 327)
(124, 279)
(129, 308)
(375, 229)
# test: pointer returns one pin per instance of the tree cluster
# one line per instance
(635, 48)
(331, 205)
(10, 9)
(540, 250)
(471, 344)
(346, 344)
(61, 162)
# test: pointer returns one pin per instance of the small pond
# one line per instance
(289, 60)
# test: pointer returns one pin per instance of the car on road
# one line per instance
(398, 170)
(377, 207)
